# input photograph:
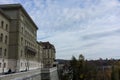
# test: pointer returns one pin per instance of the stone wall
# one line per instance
(54, 74)
(37, 74)
(29, 75)
(49, 74)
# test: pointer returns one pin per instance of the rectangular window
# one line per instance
(1, 37)
(21, 40)
(2, 24)
(6, 39)
(21, 53)
(0, 52)
(4, 65)
(22, 29)
(5, 51)
(0, 65)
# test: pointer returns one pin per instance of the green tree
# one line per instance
(78, 67)
(81, 67)
(115, 73)
(73, 64)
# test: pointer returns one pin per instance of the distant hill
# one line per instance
(62, 61)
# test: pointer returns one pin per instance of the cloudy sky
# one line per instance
(88, 27)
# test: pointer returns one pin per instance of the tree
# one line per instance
(81, 57)
(73, 61)
(81, 67)
(78, 67)
(73, 64)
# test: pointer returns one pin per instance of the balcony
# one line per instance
(30, 50)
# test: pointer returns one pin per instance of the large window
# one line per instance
(22, 29)
(1, 37)
(2, 24)
(0, 65)
(21, 53)
(21, 40)
(0, 52)
(5, 52)
(6, 39)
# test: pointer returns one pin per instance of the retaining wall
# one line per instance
(37, 74)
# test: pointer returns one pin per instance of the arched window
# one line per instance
(6, 27)
(1, 37)
(0, 65)
(2, 24)
(6, 39)
(21, 53)
(21, 40)
(22, 29)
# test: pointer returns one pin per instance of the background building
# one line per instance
(48, 54)
(40, 54)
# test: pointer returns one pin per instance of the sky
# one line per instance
(88, 27)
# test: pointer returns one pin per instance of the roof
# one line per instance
(47, 44)
(12, 6)
(2, 12)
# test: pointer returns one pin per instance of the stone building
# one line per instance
(19, 48)
(48, 55)
(4, 41)
(40, 51)
(22, 37)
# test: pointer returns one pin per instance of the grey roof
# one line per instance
(47, 44)
(12, 6)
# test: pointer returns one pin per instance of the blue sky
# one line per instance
(88, 27)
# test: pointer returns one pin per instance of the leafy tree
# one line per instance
(73, 61)
(74, 68)
(78, 67)
(81, 67)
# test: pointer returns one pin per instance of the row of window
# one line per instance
(29, 36)
(22, 54)
(4, 65)
(3, 51)
(4, 26)
(27, 43)
(26, 64)
(47, 61)
(3, 38)
(48, 53)
(27, 24)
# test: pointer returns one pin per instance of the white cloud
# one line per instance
(6, 1)
(100, 18)
(66, 24)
